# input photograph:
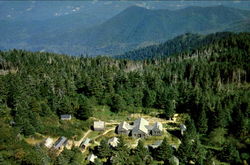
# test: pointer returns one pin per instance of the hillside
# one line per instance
(209, 85)
(182, 43)
(132, 28)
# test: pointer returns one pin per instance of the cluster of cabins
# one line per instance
(140, 128)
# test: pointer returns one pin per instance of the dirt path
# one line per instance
(77, 143)
(112, 123)
(104, 133)
(95, 142)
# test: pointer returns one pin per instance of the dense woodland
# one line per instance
(210, 83)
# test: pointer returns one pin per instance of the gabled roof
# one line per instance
(157, 126)
(60, 142)
(124, 125)
(140, 124)
(149, 127)
(48, 142)
(113, 141)
(140, 121)
(92, 158)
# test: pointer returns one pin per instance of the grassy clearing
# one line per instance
(33, 141)
(72, 129)
(104, 113)
(93, 134)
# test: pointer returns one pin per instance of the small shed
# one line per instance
(85, 143)
(113, 142)
(48, 142)
(66, 117)
(99, 126)
(157, 129)
(61, 142)
(183, 128)
(91, 158)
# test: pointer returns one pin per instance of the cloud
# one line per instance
(8, 16)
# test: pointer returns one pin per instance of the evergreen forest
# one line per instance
(205, 77)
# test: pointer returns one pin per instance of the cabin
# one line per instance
(48, 142)
(99, 126)
(140, 128)
(85, 143)
(113, 142)
(124, 128)
(60, 143)
(183, 128)
(91, 158)
(66, 117)
(157, 129)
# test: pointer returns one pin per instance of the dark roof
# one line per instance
(66, 116)
(60, 142)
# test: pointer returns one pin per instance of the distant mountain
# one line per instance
(134, 27)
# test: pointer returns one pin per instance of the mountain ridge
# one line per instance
(132, 28)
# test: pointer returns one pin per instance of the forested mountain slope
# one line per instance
(210, 84)
(182, 43)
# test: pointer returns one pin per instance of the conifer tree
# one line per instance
(164, 151)
(103, 150)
